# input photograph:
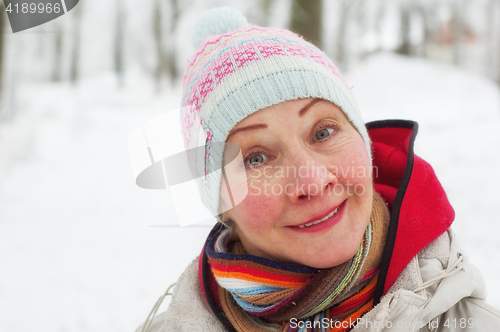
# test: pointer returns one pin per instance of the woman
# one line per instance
(341, 226)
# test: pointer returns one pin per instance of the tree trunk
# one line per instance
(347, 8)
(379, 16)
(263, 10)
(490, 56)
(266, 11)
(118, 62)
(158, 38)
(75, 52)
(3, 19)
(171, 57)
(457, 32)
(405, 44)
(427, 31)
(498, 49)
(360, 15)
(58, 43)
(306, 20)
(492, 60)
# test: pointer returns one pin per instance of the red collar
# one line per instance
(420, 210)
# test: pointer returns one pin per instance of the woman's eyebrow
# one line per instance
(308, 106)
(263, 126)
(252, 127)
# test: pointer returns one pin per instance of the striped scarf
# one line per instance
(259, 294)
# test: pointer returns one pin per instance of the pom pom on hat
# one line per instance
(217, 21)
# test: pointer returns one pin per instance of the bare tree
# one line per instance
(165, 42)
(347, 8)
(427, 21)
(490, 59)
(171, 56)
(2, 44)
(260, 12)
(58, 43)
(75, 52)
(361, 19)
(405, 28)
(266, 11)
(307, 20)
(158, 38)
(492, 55)
(498, 44)
(457, 26)
(379, 16)
(118, 62)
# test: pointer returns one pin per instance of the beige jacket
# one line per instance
(430, 294)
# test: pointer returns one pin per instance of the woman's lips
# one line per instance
(321, 216)
(324, 224)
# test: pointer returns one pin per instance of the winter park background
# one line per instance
(77, 252)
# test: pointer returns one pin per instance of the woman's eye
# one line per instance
(255, 160)
(323, 133)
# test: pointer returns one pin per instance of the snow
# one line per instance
(76, 247)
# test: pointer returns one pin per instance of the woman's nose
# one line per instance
(309, 180)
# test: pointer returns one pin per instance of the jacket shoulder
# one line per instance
(455, 303)
(188, 310)
(439, 290)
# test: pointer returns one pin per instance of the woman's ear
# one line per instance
(231, 225)
(226, 220)
(233, 231)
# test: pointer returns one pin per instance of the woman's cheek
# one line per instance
(257, 210)
(357, 167)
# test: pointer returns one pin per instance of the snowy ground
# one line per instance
(76, 249)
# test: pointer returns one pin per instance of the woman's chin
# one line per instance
(315, 260)
(326, 264)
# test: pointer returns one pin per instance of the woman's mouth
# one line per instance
(329, 220)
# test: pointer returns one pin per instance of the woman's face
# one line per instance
(304, 161)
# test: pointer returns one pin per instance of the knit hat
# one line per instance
(241, 68)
